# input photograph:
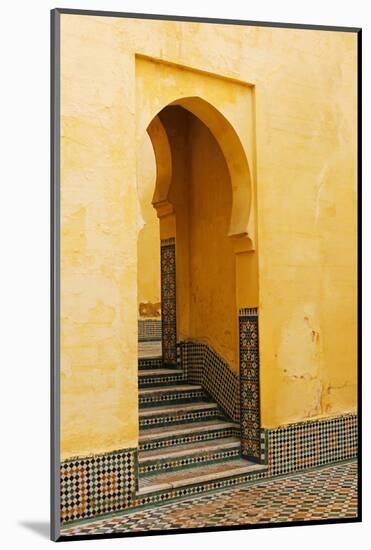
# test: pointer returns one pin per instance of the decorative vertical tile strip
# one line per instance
(100, 484)
(249, 384)
(168, 302)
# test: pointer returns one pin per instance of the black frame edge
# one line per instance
(359, 262)
(55, 275)
(214, 20)
(246, 527)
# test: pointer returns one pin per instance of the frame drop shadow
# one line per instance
(41, 528)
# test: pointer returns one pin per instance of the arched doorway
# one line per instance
(178, 133)
(202, 196)
(198, 281)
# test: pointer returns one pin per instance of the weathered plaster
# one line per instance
(149, 289)
(302, 115)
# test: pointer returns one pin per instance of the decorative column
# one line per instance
(168, 302)
(249, 384)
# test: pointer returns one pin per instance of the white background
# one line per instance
(24, 253)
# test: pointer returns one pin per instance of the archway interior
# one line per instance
(199, 200)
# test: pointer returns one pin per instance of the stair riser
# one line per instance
(143, 367)
(154, 422)
(189, 438)
(152, 467)
(153, 381)
(150, 363)
(195, 490)
(171, 398)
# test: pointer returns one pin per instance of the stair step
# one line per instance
(178, 408)
(188, 449)
(196, 475)
(150, 363)
(157, 372)
(149, 349)
(165, 436)
(177, 414)
(166, 389)
(166, 394)
(160, 377)
(174, 458)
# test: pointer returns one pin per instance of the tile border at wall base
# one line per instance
(92, 484)
(302, 445)
(262, 480)
(289, 450)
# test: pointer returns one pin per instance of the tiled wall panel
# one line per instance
(204, 366)
(104, 484)
(168, 301)
(249, 384)
(311, 444)
(96, 485)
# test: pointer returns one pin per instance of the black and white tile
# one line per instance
(249, 385)
(168, 302)
(98, 484)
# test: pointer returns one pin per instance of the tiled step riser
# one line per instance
(191, 438)
(171, 399)
(198, 416)
(150, 363)
(152, 467)
(153, 381)
(156, 365)
(195, 490)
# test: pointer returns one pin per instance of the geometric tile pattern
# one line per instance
(161, 380)
(155, 498)
(184, 439)
(181, 463)
(149, 329)
(76, 489)
(203, 365)
(249, 384)
(149, 362)
(322, 494)
(170, 397)
(96, 485)
(159, 420)
(103, 484)
(311, 444)
(192, 361)
(168, 301)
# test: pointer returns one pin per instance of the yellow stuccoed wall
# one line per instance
(149, 285)
(212, 259)
(297, 125)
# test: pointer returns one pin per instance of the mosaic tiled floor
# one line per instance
(149, 349)
(327, 493)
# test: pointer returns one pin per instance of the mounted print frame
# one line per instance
(204, 182)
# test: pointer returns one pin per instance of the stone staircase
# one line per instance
(185, 438)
